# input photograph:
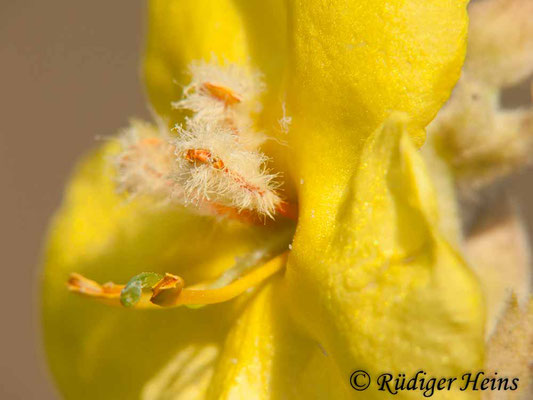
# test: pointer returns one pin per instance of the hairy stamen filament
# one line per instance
(214, 161)
(204, 156)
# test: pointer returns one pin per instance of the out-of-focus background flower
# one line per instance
(69, 73)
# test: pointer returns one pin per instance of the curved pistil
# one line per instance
(170, 290)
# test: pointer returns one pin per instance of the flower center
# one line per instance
(214, 162)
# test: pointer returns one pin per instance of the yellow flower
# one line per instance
(371, 279)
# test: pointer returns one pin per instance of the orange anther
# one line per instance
(201, 155)
(204, 156)
(171, 285)
(218, 163)
(222, 93)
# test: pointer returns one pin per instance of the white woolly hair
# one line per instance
(213, 162)
(144, 165)
(246, 83)
(243, 183)
(243, 83)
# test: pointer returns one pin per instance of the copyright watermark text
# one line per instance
(393, 384)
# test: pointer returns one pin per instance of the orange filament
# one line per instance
(222, 93)
(170, 291)
(205, 157)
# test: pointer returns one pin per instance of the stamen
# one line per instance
(214, 161)
(224, 94)
(169, 291)
(78, 283)
(145, 164)
(108, 293)
(204, 156)
(169, 282)
(271, 248)
(193, 296)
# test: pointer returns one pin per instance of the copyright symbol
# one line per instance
(360, 380)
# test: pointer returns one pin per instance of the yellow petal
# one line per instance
(245, 368)
(265, 357)
(181, 31)
(380, 288)
(185, 377)
(100, 352)
(352, 64)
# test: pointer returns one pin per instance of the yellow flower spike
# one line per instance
(384, 291)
